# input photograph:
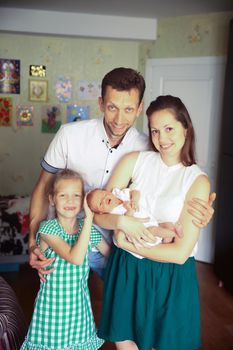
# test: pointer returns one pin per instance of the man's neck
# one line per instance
(114, 141)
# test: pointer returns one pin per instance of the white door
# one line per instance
(199, 82)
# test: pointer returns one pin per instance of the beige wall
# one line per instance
(188, 36)
(21, 148)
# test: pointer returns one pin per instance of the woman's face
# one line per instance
(168, 135)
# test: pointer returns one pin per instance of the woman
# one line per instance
(153, 303)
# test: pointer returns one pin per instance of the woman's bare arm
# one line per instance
(132, 227)
(178, 251)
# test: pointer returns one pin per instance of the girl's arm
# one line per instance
(178, 251)
(132, 227)
(76, 254)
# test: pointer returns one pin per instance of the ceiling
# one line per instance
(128, 8)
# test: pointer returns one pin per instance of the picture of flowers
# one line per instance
(24, 115)
(37, 71)
(63, 89)
(5, 111)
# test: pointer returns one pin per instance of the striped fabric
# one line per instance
(13, 325)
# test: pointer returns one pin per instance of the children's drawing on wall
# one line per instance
(63, 89)
(5, 111)
(51, 119)
(37, 71)
(75, 113)
(89, 90)
(9, 76)
(24, 115)
(38, 90)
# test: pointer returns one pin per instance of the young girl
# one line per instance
(62, 317)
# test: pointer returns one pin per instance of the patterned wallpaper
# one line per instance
(188, 36)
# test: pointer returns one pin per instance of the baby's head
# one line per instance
(102, 201)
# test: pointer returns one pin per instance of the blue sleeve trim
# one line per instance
(49, 168)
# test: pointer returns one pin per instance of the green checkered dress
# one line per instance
(62, 317)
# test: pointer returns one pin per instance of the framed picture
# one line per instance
(24, 115)
(9, 76)
(51, 118)
(37, 71)
(75, 113)
(38, 90)
(5, 111)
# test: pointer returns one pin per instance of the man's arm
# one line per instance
(202, 211)
(38, 212)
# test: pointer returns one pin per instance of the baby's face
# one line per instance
(104, 201)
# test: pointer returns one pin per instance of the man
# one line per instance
(93, 148)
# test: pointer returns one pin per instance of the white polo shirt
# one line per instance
(83, 146)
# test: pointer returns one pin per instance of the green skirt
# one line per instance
(151, 303)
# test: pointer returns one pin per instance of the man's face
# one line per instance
(121, 109)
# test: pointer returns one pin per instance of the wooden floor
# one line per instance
(216, 304)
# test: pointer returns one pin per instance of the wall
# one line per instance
(188, 36)
(21, 148)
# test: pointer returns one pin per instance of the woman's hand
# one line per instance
(39, 262)
(134, 229)
(168, 230)
(201, 210)
(119, 237)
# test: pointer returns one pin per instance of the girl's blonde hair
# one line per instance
(66, 174)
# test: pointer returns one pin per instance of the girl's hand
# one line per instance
(88, 213)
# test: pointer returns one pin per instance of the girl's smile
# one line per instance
(68, 198)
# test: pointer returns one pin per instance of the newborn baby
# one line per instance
(127, 202)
